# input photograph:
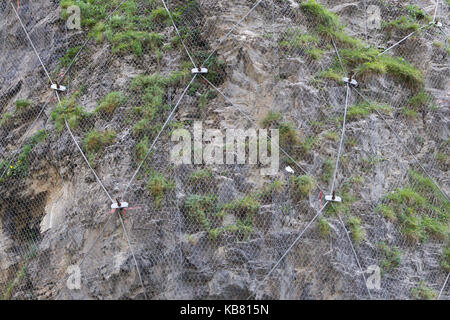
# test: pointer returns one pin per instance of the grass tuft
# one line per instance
(324, 227)
(421, 210)
(110, 102)
(21, 104)
(356, 230)
(301, 186)
(396, 67)
(272, 119)
(391, 257)
(68, 110)
(364, 109)
(158, 186)
(320, 14)
(19, 168)
(95, 141)
(201, 176)
(422, 292)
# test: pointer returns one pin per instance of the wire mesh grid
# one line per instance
(211, 230)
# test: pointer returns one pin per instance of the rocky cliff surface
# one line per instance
(218, 231)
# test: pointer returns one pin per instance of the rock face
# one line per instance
(215, 231)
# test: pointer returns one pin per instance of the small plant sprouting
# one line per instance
(5, 120)
(124, 42)
(158, 186)
(152, 90)
(14, 283)
(271, 120)
(368, 61)
(276, 187)
(417, 13)
(409, 22)
(242, 229)
(404, 24)
(303, 42)
(301, 186)
(391, 257)
(394, 66)
(323, 16)
(327, 24)
(315, 53)
(201, 176)
(356, 230)
(245, 206)
(160, 15)
(19, 168)
(202, 209)
(288, 135)
(419, 208)
(420, 101)
(110, 102)
(387, 212)
(243, 209)
(327, 170)
(21, 105)
(422, 292)
(363, 109)
(68, 110)
(67, 59)
(142, 148)
(331, 135)
(95, 141)
(296, 38)
(332, 74)
(324, 227)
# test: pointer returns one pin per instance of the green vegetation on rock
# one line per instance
(419, 208)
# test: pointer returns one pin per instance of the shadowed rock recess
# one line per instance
(224, 231)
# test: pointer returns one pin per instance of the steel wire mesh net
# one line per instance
(95, 187)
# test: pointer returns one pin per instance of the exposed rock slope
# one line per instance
(215, 232)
